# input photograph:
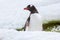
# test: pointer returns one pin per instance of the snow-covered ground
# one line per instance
(6, 34)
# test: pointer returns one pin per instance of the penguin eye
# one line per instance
(28, 6)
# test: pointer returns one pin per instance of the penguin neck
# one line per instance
(30, 15)
(32, 12)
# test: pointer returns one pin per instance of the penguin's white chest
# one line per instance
(35, 23)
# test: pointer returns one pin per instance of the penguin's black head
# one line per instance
(31, 8)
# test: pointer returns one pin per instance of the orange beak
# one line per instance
(25, 8)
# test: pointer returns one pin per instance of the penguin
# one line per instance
(34, 21)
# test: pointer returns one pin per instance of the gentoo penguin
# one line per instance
(34, 21)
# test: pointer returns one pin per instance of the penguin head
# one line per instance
(31, 8)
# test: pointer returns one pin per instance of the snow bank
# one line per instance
(12, 15)
(51, 12)
(6, 34)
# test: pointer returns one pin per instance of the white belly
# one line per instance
(35, 23)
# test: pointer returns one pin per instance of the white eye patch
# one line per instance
(31, 5)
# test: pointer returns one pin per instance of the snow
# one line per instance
(6, 34)
(51, 12)
(11, 14)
